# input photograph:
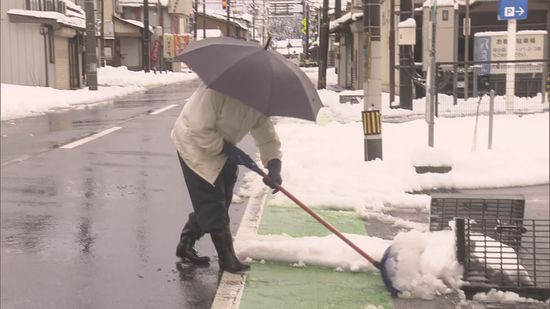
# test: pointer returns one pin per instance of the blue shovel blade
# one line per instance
(384, 272)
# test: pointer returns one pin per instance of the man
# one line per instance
(205, 135)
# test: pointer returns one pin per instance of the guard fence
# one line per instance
(463, 87)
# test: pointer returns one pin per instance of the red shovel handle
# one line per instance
(322, 221)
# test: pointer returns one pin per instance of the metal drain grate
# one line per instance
(506, 254)
(446, 206)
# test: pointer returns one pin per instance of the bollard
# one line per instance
(491, 112)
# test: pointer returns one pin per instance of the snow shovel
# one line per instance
(381, 265)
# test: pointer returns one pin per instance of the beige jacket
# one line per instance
(211, 117)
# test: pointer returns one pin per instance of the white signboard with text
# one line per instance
(491, 46)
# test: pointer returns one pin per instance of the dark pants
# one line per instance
(211, 202)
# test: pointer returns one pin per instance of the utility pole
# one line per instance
(466, 48)
(405, 81)
(337, 14)
(307, 31)
(323, 48)
(91, 45)
(392, 52)
(510, 69)
(227, 29)
(254, 12)
(195, 18)
(161, 41)
(204, 19)
(430, 81)
(373, 83)
(102, 50)
(146, 35)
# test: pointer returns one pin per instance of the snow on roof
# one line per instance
(221, 15)
(210, 33)
(407, 23)
(463, 2)
(138, 3)
(136, 23)
(496, 33)
(245, 16)
(348, 17)
(319, 4)
(453, 3)
(71, 21)
(72, 7)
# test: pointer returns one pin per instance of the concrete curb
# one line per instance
(231, 287)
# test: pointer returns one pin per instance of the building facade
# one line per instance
(42, 43)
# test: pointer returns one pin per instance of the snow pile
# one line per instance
(121, 76)
(323, 165)
(72, 20)
(500, 258)
(421, 265)
(329, 251)
(431, 157)
(494, 296)
(424, 265)
(22, 101)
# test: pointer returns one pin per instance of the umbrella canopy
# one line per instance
(261, 78)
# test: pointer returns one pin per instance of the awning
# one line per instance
(46, 17)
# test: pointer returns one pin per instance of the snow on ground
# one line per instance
(502, 297)
(323, 165)
(22, 101)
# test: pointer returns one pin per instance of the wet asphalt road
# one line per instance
(96, 226)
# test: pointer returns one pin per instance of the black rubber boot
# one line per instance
(223, 241)
(186, 247)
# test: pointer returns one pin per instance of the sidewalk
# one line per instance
(272, 285)
(278, 285)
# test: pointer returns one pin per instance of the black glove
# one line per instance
(274, 168)
(236, 155)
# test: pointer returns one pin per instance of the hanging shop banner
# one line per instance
(174, 44)
(168, 43)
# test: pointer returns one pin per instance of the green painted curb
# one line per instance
(274, 285)
(281, 286)
(296, 222)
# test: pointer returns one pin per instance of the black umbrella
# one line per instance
(259, 77)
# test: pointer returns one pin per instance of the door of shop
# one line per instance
(74, 75)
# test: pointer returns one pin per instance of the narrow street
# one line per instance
(96, 226)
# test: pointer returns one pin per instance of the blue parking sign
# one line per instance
(512, 9)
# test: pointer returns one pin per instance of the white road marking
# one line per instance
(231, 287)
(89, 138)
(158, 111)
